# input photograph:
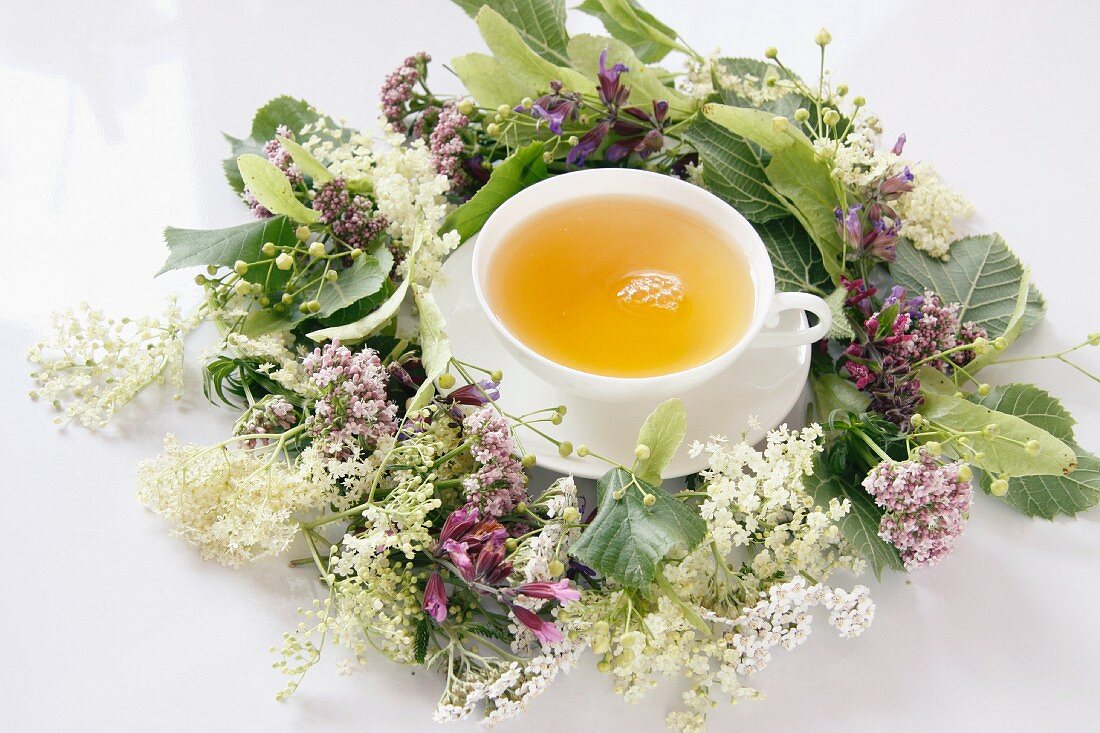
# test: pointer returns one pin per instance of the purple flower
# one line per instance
(445, 142)
(353, 403)
(460, 557)
(499, 483)
(899, 145)
(475, 395)
(397, 90)
(351, 218)
(458, 523)
(490, 563)
(588, 144)
(877, 242)
(435, 598)
(849, 226)
(894, 186)
(555, 108)
(642, 134)
(545, 631)
(612, 92)
(560, 591)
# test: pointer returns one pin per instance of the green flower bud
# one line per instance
(823, 38)
(356, 254)
(963, 440)
(980, 345)
(496, 375)
(527, 103)
(332, 276)
(1032, 447)
(859, 101)
(265, 301)
(268, 249)
(582, 450)
(493, 129)
(302, 233)
(200, 279)
(1094, 339)
(314, 306)
(240, 267)
(966, 473)
(618, 494)
(802, 114)
(555, 568)
(279, 308)
(990, 430)
(999, 487)
(316, 249)
(983, 389)
(830, 117)
(547, 157)
(465, 106)
(446, 381)
(570, 514)
(649, 499)
(243, 288)
(933, 448)
(287, 299)
(503, 111)
(211, 270)
(779, 124)
(498, 118)
(641, 451)
(1000, 343)
(511, 544)
(284, 261)
(841, 90)
(771, 52)
(521, 507)
(555, 419)
(561, 410)
(565, 448)
(573, 140)
(603, 665)
(528, 460)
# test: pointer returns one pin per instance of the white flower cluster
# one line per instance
(758, 498)
(346, 153)
(535, 554)
(702, 76)
(91, 365)
(234, 505)
(278, 361)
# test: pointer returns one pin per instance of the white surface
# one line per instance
(764, 383)
(109, 129)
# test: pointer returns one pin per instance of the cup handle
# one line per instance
(793, 301)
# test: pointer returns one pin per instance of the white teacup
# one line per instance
(598, 183)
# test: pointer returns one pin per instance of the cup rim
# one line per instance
(759, 263)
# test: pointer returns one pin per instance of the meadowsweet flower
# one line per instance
(91, 365)
(353, 404)
(234, 505)
(926, 506)
(351, 218)
(499, 482)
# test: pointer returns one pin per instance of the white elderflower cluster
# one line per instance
(410, 193)
(234, 505)
(701, 77)
(91, 365)
(758, 498)
(536, 555)
(278, 361)
(346, 153)
(929, 212)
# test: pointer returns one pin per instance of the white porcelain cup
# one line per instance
(596, 183)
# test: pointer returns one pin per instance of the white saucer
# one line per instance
(763, 383)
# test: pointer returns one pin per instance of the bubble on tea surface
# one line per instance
(652, 289)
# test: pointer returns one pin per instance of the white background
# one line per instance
(109, 129)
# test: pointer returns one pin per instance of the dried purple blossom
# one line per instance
(642, 132)
(554, 108)
(476, 395)
(559, 590)
(280, 157)
(353, 404)
(612, 92)
(351, 218)
(877, 241)
(258, 210)
(588, 144)
(926, 506)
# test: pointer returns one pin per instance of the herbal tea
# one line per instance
(621, 286)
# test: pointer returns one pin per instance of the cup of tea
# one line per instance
(619, 284)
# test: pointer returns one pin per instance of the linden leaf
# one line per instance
(796, 260)
(305, 161)
(833, 393)
(662, 432)
(362, 279)
(1049, 496)
(627, 539)
(632, 24)
(281, 111)
(435, 347)
(541, 24)
(224, 247)
(272, 189)
(1030, 403)
(522, 169)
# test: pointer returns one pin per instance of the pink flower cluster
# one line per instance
(445, 141)
(397, 89)
(926, 506)
(353, 403)
(352, 218)
(280, 156)
(936, 328)
(273, 416)
(499, 483)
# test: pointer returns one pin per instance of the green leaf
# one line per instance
(541, 23)
(662, 432)
(272, 189)
(265, 320)
(833, 392)
(294, 113)
(522, 169)
(488, 81)
(933, 380)
(795, 258)
(1028, 402)
(1012, 331)
(305, 161)
(420, 640)
(861, 524)
(840, 327)
(362, 279)
(982, 275)
(645, 84)
(1005, 451)
(522, 63)
(733, 170)
(627, 539)
(808, 185)
(223, 247)
(757, 127)
(435, 347)
(632, 24)
(1049, 496)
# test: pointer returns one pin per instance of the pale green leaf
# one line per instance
(933, 380)
(632, 24)
(1049, 496)
(833, 393)
(305, 161)
(757, 127)
(435, 347)
(541, 23)
(662, 432)
(645, 84)
(522, 169)
(1028, 402)
(272, 188)
(860, 525)
(362, 279)
(1005, 451)
(519, 61)
(733, 170)
(840, 325)
(223, 247)
(982, 275)
(1012, 331)
(293, 113)
(796, 259)
(489, 82)
(627, 539)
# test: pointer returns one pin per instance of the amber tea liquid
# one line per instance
(622, 286)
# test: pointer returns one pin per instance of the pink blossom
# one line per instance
(460, 557)
(499, 482)
(353, 403)
(559, 590)
(545, 631)
(435, 598)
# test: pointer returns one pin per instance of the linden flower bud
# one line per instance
(465, 106)
(446, 381)
(859, 101)
(963, 440)
(603, 665)
(240, 267)
(528, 460)
(356, 254)
(1000, 343)
(548, 157)
(618, 494)
(802, 114)
(771, 52)
(641, 451)
(570, 514)
(521, 507)
(200, 279)
(983, 389)
(555, 419)
(779, 124)
(332, 276)
(933, 448)
(265, 301)
(496, 375)
(284, 261)
(980, 345)
(243, 288)
(561, 410)
(268, 249)
(582, 450)
(649, 499)
(314, 306)
(497, 118)
(317, 249)
(555, 568)
(990, 430)
(823, 38)
(504, 110)
(1094, 339)
(842, 90)
(302, 233)
(965, 472)
(493, 129)
(511, 544)
(999, 487)
(565, 448)
(211, 270)
(527, 103)
(917, 420)
(573, 140)
(287, 299)
(831, 117)
(1032, 447)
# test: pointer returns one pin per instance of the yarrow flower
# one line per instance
(926, 506)
(353, 403)
(499, 482)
